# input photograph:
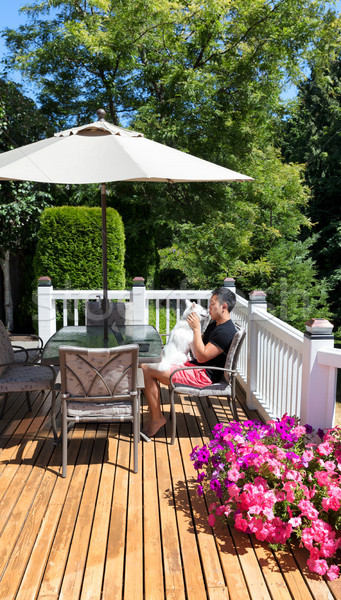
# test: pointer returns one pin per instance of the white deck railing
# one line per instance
(280, 369)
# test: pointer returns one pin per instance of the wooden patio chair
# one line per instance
(19, 371)
(226, 387)
(99, 385)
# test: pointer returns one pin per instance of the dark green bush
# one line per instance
(69, 249)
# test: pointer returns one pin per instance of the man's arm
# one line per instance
(202, 353)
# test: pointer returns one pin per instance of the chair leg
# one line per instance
(138, 416)
(64, 438)
(173, 416)
(233, 407)
(4, 404)
(28, 401)
(136, 433)
(53, 417)
(232, 400)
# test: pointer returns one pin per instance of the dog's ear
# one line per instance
(188, 303)
(193, 305)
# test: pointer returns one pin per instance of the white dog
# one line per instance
(177, 349)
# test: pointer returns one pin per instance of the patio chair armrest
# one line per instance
(230, 371)
(27, 337)
(17, 349)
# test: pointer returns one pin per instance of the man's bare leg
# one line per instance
(152, 377)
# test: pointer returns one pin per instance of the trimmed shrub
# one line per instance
(69, 249)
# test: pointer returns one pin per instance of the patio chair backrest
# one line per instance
(6, 350)
(234, 351)
(99, 374)
(120, 313)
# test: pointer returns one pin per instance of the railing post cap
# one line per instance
(319, 327)
(44, 281)
(138, 281)
(257, 296)
(229, 282)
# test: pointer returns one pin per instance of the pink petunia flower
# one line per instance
(211, 520)
(333, 572)
(325, 449)
(233, 474)
(308, 509)
(240, 523)
(318, 566)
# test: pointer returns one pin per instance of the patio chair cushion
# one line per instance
(25, 378)
(118, 411)
(216, 389)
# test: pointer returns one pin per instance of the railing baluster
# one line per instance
(64, 312)
(157, 308)
(75, 312)
(167, 317)
(178, 310)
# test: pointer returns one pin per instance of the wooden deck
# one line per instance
(105, 533)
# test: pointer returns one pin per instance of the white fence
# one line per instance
(280, 369)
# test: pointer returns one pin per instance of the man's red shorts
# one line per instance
(194, 377)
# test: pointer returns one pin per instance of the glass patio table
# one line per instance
(146, 336)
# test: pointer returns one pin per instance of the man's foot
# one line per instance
(153, 427)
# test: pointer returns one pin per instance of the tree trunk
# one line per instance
(5, 266)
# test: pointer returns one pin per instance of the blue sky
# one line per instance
(10, 17)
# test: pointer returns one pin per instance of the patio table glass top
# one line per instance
(146, 336)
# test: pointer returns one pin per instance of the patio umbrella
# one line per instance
(101, 152)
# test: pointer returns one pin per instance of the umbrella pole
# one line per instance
(104, 263)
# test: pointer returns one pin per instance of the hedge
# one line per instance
(69, 249)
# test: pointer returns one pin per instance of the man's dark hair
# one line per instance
(224, 294)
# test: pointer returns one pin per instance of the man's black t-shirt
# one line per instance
(220, 336)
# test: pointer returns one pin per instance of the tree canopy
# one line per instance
(207, 78)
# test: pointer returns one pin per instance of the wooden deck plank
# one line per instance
(153, 580)
(133, 585)
(317, 586)
(272, 573)
(114, 565)
(55, 566)
(17, 564)
(237, 588)
(293, 577)
(94, 569)
(16, 520)
(173, 569)
(21, 421)
(35, 566)
(75, 566)
(213, 573)
(14, 440)
(248, 567)
(195, 584)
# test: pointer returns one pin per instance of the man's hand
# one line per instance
(194, 321)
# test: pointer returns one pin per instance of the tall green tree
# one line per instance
(313, 136)
(20, 202)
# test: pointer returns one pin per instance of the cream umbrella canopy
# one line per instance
(101, 152)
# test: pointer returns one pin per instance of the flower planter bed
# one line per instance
(278, 482)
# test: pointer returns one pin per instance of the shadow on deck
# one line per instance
(105, 533)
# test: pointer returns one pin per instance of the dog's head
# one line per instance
(202, 313)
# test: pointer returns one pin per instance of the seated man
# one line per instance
(210, 349)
